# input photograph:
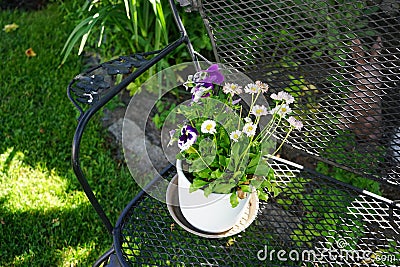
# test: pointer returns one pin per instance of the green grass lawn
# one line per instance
(45, 218)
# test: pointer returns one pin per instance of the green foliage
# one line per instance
(331, 23)
(337, 150)
(163, 110)
(121, 27)
(335, 17)
(145, 30)
(325, 213)
(23, 4)
(349, 178)
(131, 26)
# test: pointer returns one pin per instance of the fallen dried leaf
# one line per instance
(10, 27)
(30, 53)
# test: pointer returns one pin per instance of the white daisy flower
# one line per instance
(295, 123)
(232, 88)
(281, 110)
(208, 126)
(249, 129)
(259, 110)
(263, 86)
(252, 88)
(282, 95)
(235, 135)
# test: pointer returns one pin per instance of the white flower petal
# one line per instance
(235, 135)
(252, 88)
(232, 88)
(295, 123)
(259, 110)
(208, 126)
(249, 129)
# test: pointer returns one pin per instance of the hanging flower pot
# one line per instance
(212, 214)
(226, 148)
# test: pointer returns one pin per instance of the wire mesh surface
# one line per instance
(340, 59)
(314, 220)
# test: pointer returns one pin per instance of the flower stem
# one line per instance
(201, 158)
(283, 141)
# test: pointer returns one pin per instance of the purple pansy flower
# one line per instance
(202, 82)
(214, 76)
(188, 137)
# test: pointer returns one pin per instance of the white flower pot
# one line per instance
(212, 214)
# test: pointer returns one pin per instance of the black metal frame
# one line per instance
(85, 116)
(93, 85)
(90, 88)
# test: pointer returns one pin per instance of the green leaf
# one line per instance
(234, 200)
(314, 41)
(216, 174)
(80, 30)
(204, 174)
(246, 188)
(262, 195)
(190, 150)
(262, 168)
(317, 54)
(254, 161)
(256, 183)
(197, 165)
(208, 190)
(223, 161)
(276, 191)
(197, 184)
(223, 188)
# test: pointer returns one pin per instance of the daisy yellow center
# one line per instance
(284, 109)
(209, 127)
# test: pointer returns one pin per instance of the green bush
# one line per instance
(125, 27)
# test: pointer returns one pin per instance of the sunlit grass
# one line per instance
(27, 188)
(71, 255)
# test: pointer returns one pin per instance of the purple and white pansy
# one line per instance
(202, 82)
(188, 137)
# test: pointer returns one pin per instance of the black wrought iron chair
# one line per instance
(341, 59)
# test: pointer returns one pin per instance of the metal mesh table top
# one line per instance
(340, 59)
(311, 217)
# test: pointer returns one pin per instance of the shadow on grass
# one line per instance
(55, 237)
(45, 218)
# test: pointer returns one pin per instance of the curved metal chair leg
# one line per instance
(108, 258)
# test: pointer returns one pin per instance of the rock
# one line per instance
(116, 130)
(136, 147)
